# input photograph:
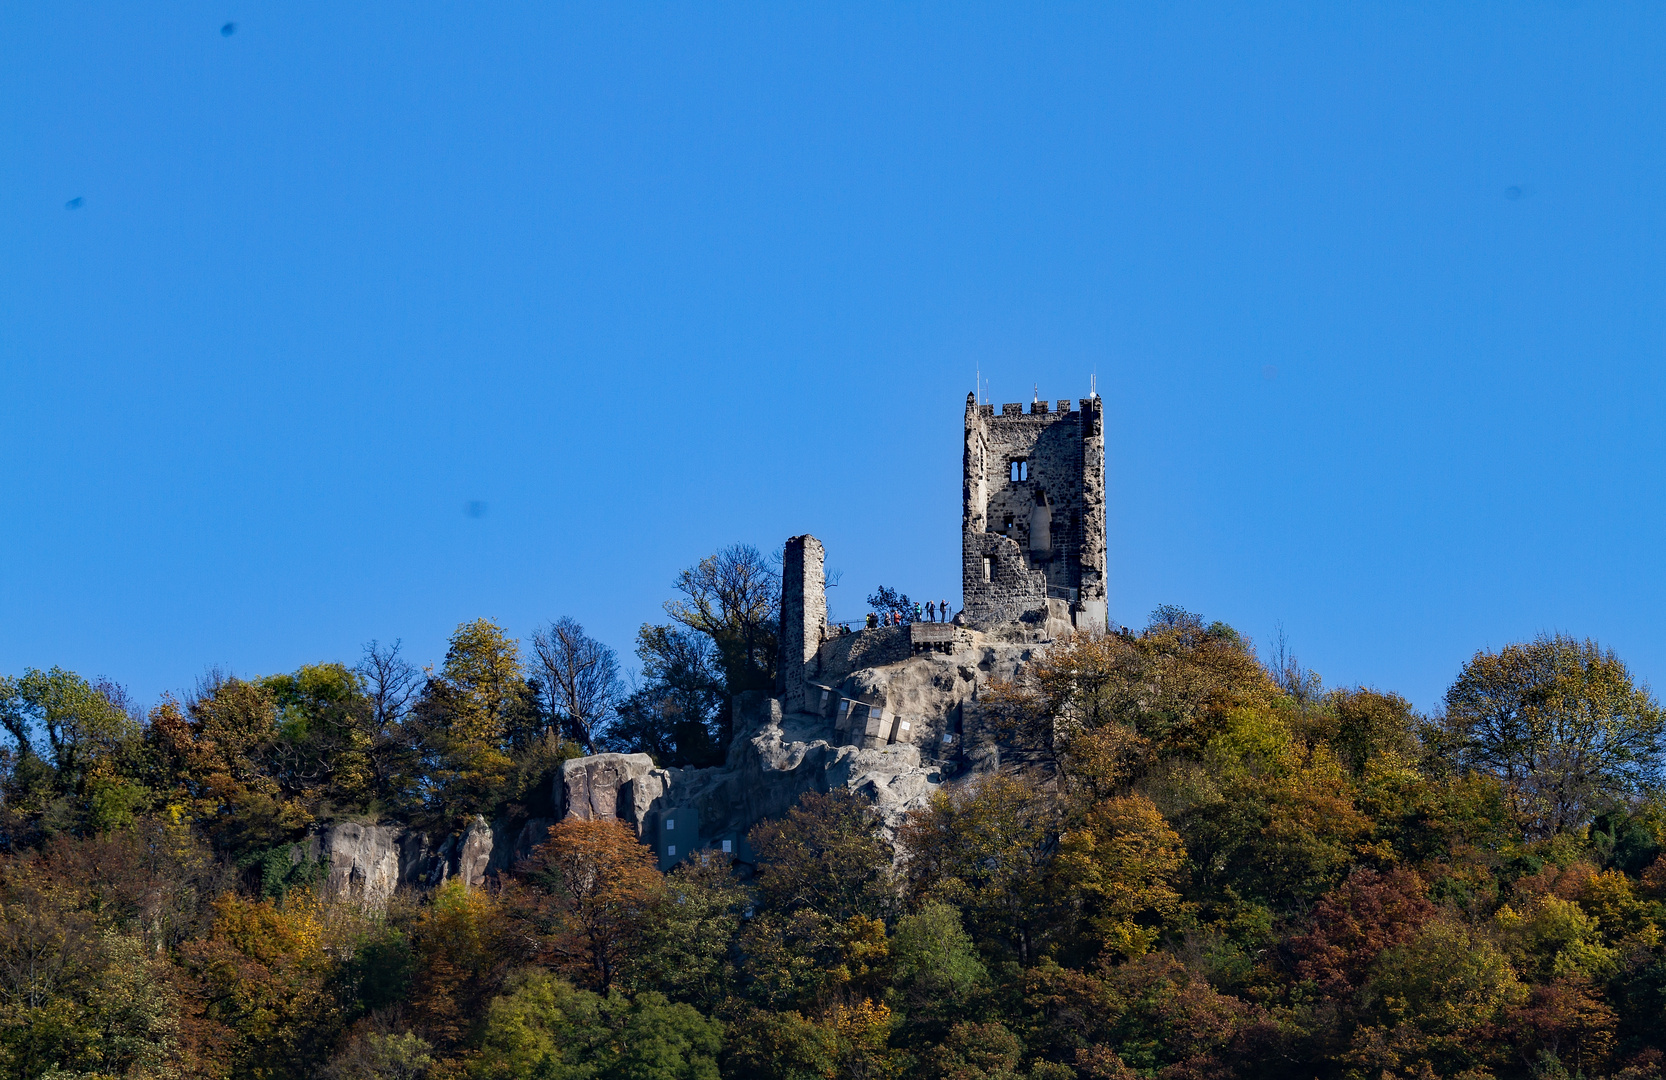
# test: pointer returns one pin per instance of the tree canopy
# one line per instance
(1189, 864)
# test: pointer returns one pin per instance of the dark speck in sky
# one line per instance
(475, 509)
(73, 204)
(228, 29)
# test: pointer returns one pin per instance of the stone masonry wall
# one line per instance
(1041, 534)
(803, 615)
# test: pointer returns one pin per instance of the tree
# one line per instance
(378, 1055)
(826, 855)
(1355, 922)
(1438, 998)
(77, 996)
(263, 972)
(823, 884)
(221, 762)
(1274, 820)
(673, 716)
(1102, 709)
(936, 976)
(465, 947)
(975, 1051)
(987, 849)
(885, 599)
(581, 677)
(543, 1027)
(69, 740)
(462, 721)
(391, 686)
(734, 597)
(1560, 722)
(685, 949)
(1362, 725)
(598, 887)
(324, 739)
(1122, 866)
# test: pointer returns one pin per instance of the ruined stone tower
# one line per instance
(803, 615)
(1033, 519)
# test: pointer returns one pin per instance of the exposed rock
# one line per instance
(369, 863)
(923, 731)
(474, 852)
(610, 787)
(364, 861)
(920, 729)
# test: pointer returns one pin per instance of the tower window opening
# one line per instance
(1020, 469)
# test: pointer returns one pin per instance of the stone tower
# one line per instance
(1033, 518)
(803, 615)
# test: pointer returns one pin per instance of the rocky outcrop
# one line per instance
(364, 861)
(367, 864)
(927, 734)
(610, 787)
(930, 735)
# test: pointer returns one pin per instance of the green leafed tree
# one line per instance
(74, 750)
(734, 597)
(1562, 724)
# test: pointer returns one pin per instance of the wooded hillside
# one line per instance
(1194, 865)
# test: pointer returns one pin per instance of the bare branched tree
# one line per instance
(581, 676)
(1303, 686)
(734, 597)
(391, 683)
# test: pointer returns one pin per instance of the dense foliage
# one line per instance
(1190, 865)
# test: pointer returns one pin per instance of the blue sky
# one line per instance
(1372, 292)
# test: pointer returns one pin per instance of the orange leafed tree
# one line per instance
(597, 889)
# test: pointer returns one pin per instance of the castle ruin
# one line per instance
(1033, 514)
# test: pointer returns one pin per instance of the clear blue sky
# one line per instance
(1373, 294)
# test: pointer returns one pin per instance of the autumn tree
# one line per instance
(69, 741)
(1561, 723)
(987, 849)
(1266, 817)
(77, 995)
(1361, 726)
(465, 946)
(221, 761)
(1355, 922)
(463, 720)
(1122, 866)
(823, 887)
(1101, 709)
(325, 741)
(598, 888)
(263, 973)
(1438, 998)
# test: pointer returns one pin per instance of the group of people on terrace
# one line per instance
(931, 612)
